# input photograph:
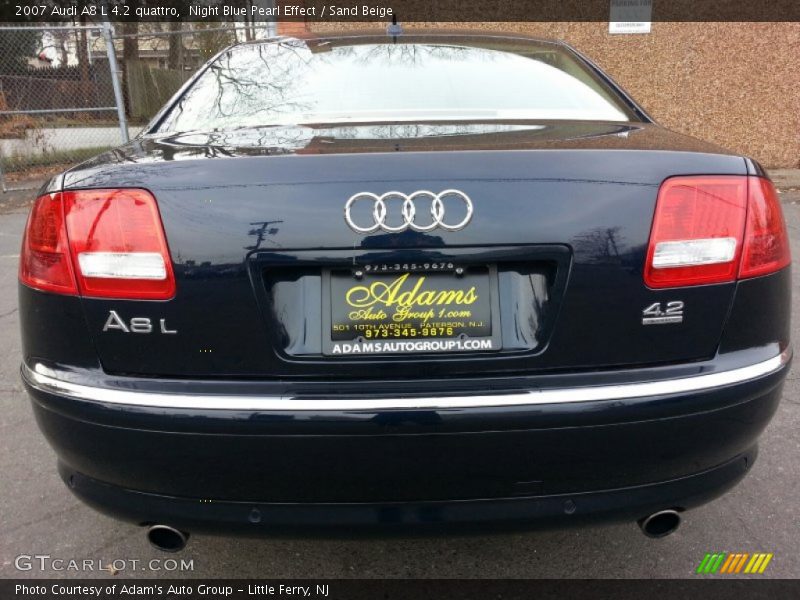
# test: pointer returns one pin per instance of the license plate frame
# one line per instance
(483, 339)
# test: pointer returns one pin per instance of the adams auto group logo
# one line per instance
(734, 563)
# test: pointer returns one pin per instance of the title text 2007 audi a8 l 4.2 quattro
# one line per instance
(401, 283)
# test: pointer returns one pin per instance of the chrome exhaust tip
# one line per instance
(166, 538)
(660, 524)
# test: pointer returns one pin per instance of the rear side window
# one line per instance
(293, 82)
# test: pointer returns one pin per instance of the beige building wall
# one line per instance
(735, 84)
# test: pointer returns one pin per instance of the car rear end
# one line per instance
(411, 323)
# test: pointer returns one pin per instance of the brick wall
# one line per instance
(293, 28)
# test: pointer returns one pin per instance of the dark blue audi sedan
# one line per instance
(404, 283)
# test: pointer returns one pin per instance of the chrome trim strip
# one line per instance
(45, 379)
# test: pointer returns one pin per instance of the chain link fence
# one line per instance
(70, 92)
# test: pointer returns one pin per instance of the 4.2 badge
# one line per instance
(663, 313)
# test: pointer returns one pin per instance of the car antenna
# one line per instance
(394, 29)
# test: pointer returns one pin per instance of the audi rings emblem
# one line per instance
(411, 216)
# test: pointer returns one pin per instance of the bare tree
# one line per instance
(83, 62)
(175, 52)
(130, 52)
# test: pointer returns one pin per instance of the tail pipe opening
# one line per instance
(660, 524)
(166, 538)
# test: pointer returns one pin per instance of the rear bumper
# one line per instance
(413, 517)
(551, 455)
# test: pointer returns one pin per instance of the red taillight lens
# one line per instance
(118, 244)
(705, 227)
(44, 261)
(115, 240)
(697, 231)
(766, 243)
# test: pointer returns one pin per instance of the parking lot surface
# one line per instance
(38, 515)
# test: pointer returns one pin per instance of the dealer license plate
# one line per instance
(410, 312)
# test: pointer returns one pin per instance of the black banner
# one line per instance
(405, 11)
(395, 589)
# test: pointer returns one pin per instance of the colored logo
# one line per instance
(733, 563)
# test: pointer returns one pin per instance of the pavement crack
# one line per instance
(114, 540)
(749, 530)
(43, 517)
(9, 313)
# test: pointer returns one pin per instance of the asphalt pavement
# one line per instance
(39, 516)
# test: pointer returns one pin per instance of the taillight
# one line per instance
(44, 261)
(116, 242)
(711, 229)
(766, 243)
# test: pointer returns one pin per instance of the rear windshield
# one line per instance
(292, 82)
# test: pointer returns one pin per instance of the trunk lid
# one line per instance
(256, 229)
